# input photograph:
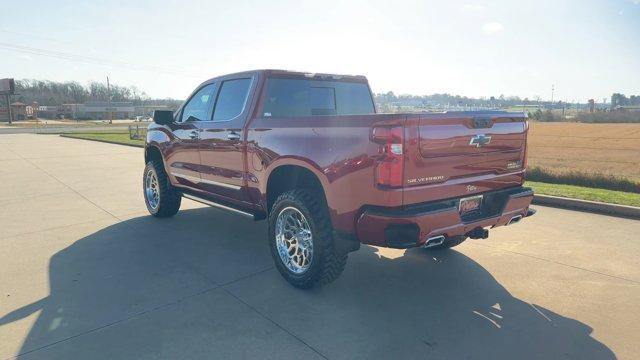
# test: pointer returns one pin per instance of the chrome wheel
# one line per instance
(294, 240)
(151, 189)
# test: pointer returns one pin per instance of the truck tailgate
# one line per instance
(453, 154)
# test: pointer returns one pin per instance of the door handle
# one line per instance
(233, 136)
(193, 134)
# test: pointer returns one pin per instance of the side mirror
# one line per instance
(163, 117)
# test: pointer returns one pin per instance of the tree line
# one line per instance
(53, 93)
(618, 99)
(47, 92)
(389, 100)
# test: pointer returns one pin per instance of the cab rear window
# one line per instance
(301, 97)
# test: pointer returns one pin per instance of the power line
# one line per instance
(109, 100)
(92, 60)
(57, 41)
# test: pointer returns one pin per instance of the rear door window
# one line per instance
(301, 97)
(231, 99)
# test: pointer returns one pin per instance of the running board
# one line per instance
(220, 206)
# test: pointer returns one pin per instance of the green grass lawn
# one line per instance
(116, 138)
(585, 193)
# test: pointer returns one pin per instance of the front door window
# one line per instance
(200, 105)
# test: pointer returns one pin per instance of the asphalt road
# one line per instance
(86, 273)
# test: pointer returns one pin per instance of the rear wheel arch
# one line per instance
(290, 177)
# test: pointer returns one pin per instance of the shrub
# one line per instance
(545, 116)
(608, 117)
(593, 180)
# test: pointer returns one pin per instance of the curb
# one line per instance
(102, 141)
(631, 212)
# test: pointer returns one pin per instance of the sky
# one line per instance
(584, 48)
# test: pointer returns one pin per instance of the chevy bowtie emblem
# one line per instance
(480, 140)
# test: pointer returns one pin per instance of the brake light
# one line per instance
(390, 167)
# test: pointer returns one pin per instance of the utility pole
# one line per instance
(109, 101)
(9, 108)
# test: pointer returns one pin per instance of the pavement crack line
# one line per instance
(249, 275)
(119, 321)
(275, 323)
(51, 228)
(172, 303)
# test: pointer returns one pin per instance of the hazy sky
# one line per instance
(588, 49)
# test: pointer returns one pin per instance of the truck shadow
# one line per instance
(417, 305)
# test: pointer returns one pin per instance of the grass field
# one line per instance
(610, 149)
(585, 193)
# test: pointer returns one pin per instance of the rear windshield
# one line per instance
(301, 97)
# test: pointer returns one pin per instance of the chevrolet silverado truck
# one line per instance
(308, 153)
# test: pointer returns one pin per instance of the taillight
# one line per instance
(390, 167)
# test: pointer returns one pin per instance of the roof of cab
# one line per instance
(295, 74)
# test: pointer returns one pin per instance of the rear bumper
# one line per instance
(412, 225)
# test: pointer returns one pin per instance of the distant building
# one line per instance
(19, 110)
(527, 106)
(32, 111)
(70, 111)
(628, 108)
(148, 110)
(47, 111)
(99, 110)
(94, 110)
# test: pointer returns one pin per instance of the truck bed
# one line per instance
(438, 161)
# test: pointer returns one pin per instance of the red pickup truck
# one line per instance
(308, 153)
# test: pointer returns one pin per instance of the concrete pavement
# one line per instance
(86, 273)
(53, 129)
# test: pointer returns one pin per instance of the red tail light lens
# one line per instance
(390, 167)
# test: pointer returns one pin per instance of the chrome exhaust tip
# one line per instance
(515, 219)
(434, 241)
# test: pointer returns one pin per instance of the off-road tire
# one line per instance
(327, 263)
(170, 197)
